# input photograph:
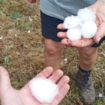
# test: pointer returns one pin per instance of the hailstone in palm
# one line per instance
(43, 89)
(71, 21)
(89, 29)
(86, 14)
(74, 34)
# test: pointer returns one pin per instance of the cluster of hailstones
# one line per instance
(82, 25)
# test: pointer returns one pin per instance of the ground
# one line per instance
(22, 50)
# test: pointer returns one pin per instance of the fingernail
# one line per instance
(99, 39)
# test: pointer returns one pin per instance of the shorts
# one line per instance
(49, 28)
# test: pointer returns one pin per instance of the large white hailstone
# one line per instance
(89, 29)
(71, 21)
(87, 14)
(74, 34)
(44, 90)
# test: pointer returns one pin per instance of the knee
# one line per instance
(51, 50)
(88, 53)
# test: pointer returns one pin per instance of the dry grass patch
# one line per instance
(22, 50)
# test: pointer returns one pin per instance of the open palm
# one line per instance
(100, 21)
(83, 42)
(10, 96)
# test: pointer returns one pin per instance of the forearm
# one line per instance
(100, 2)
(97, 4)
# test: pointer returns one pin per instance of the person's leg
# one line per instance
(53, 45)
(87, 58)
(53, 52)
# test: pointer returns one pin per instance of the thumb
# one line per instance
(100, 33)
(4, 79)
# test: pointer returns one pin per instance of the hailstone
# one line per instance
(74, 34)
(43, 89)
(71, 21)
(86, 14)
(89, 29)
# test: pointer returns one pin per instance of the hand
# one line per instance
(99, 7)
(78, 43)
(32, 1)
(10, 96)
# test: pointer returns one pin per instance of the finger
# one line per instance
(64, 80)
(60, 26)
(62, 34)
(56, 75)
(82, 43)
(62, 92)
(4, 79)
(45, 73)
(100, 17)
(66, 42)
(100, 33)
(97, 22)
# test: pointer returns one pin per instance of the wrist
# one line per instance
(100, 3)
(97, 4)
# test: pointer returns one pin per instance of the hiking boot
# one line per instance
(87, 91)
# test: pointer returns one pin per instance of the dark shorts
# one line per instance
(49, 28)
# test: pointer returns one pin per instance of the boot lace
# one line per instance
(86, 78)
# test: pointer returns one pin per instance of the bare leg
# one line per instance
(87, 57)
(53, 52)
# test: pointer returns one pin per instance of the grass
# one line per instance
(22, 52)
